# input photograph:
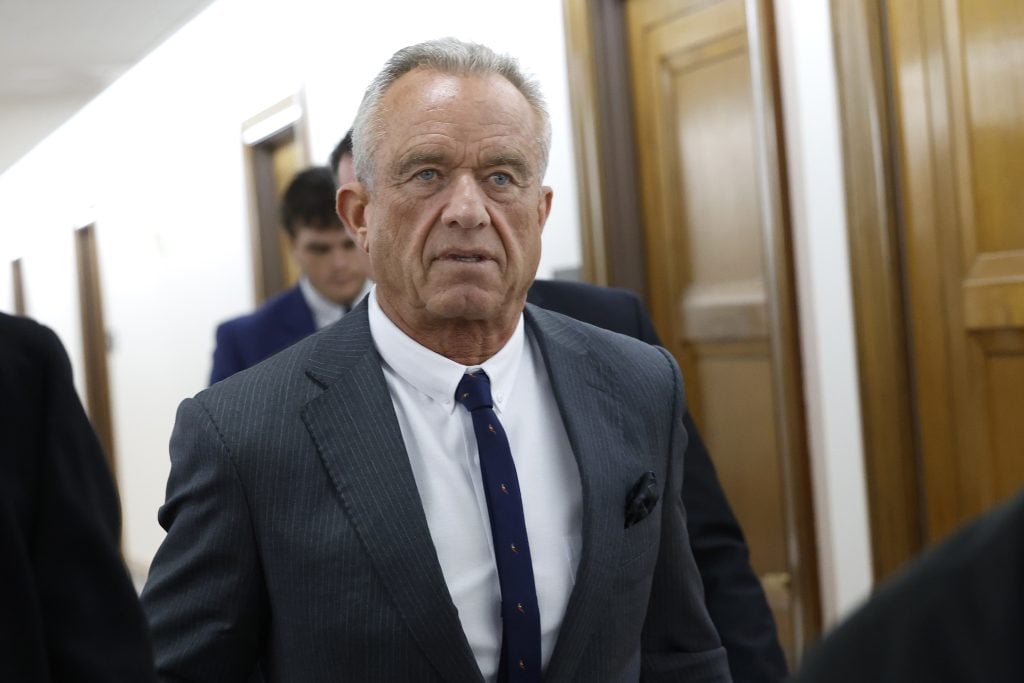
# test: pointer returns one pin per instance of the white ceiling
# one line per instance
(56, 55)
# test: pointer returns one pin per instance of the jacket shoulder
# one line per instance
(620, 355)
(619, 310)
(586, 302)
(268, 315)
(27, 343)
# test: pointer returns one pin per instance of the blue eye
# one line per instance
(501, 179)
(427, 174)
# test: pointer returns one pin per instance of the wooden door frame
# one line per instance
(612, 229)
(892, 459)
(602, 116)
(283, 123)
(18, 286)
(94, 342)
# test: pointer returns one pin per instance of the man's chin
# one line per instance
(464, 303)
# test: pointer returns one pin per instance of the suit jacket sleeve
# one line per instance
(209, 624)
(733, 593)
(90, 617)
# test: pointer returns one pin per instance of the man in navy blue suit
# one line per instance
(333, 280)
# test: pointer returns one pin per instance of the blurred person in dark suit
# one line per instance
(955, 615)
(732, 592)
(333, 280)
(68, 610)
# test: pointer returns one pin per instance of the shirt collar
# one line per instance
(434, 375)
(323, 309)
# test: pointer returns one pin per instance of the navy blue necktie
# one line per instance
(520, 616)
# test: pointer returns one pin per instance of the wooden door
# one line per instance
(958, 93)
(718, 264)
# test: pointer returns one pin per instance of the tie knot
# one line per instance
(474, 391)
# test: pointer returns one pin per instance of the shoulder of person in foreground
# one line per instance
(955, 615)
(72, 604)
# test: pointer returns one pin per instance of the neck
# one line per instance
(467, 342)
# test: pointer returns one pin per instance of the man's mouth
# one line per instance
(463, 257)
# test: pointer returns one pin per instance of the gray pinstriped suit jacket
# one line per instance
(295, 535)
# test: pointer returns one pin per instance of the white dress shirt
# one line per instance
(325, 312)
(441, 444)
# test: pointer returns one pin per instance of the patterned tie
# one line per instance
(520, 616)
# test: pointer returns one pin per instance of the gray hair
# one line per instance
(446, 56)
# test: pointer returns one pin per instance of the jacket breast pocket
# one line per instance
(640, 540)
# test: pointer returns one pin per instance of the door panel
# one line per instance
(718, 273)
(958, 88)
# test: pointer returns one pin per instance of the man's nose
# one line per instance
(466, 207)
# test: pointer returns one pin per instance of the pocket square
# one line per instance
(641, 499)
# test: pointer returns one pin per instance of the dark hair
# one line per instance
(344, 147)
(309, 201)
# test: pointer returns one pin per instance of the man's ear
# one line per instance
(544, 205)
(351, 203)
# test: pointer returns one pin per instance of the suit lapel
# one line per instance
(358, 437)
(592, 421)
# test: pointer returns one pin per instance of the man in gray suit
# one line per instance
(446, 485)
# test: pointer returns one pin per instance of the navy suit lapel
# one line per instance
(358, 437)
(607, 470)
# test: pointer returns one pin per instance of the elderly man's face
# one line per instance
(453, 222)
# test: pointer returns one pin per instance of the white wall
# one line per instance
(156, 161)
(831, 390)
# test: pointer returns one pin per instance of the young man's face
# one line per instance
(331, 261)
